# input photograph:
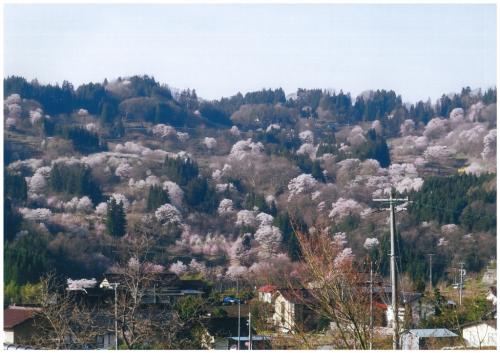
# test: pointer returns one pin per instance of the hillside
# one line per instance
(218, 184)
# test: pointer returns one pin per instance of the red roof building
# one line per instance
(18, 323)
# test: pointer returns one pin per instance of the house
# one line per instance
(490, 276)
(163, 288)
(219, 331)
(433, 338)
(266, 293)
(480, 334)
(411, 309)
(18, 324)
(492, 295)
(291, 312)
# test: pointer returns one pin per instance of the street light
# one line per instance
(106, 285)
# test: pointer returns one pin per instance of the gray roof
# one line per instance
(432, 332)
(254, 338)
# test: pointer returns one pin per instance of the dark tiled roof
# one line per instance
(13, 316)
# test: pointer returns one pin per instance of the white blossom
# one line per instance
(356, 136)
(245, 218)
(37, 184)
(101, 209)
(307, 149)
(82, 112)
(168, 215)
(91, 127)
(178, 268)
(272, 127)
(377, 126)
(301, 184)
(224, 187)
(175, 193)
(490, 145)
(234, 131)
(225, 207)
(264, 219)
(210, 142)
(344, 207)
(36, 215)
(438, 153)
(343, 257)
(306, 136)
(236, 271)
(371, 243)
(435, 128)
(448, 229)
(84, 205)
(182, 136)
(123, 199)
(269, 237)
(124, 170)
(407, 127)
(36, 115)
(13, 99)
(246, 148)
(457, 116)
(163, 130)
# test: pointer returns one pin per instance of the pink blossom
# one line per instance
(344, 207)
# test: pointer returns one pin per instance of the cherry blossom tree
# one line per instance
(490, 145)
(210, 142)
(407, 128)
(269, 238)
(371, 243)
(245, 218)
(435, 128)
(301, 184)
(179, 268)
(343, 208)
(175, 193)
(306, 136)
(225, 207)
(168, 215)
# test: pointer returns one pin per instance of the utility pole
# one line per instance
(371, 305)
(239, 311)
(394, 282)
(249, 330)
(430, 271)
(461, 282)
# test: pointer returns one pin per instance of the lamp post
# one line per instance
(106, 285)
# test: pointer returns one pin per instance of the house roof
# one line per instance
(16, 315)
(432, 332)
(491, 323)
(268, 288)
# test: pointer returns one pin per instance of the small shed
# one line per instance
(427, 338)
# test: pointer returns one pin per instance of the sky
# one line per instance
(419, 51)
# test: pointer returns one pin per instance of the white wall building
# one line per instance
(481, 334)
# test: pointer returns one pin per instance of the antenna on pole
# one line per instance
(461, 285)
(394, 287)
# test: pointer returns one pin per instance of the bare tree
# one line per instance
(335, 287)
(61, 323)
(143, 322)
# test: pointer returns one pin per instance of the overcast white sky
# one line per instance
(418, 50)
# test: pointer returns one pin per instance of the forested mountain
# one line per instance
(221, 185)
